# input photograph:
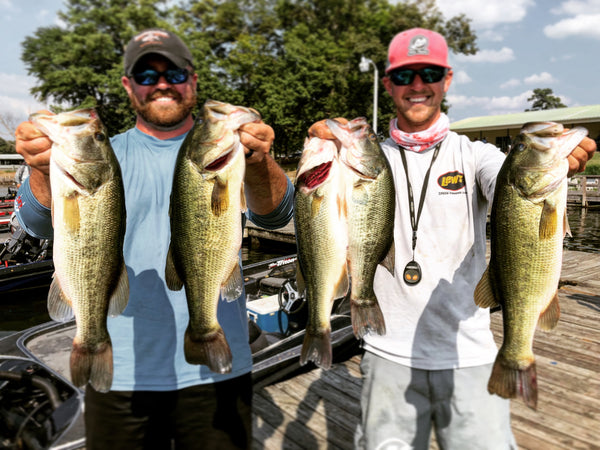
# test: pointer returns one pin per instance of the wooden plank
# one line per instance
(321, 408)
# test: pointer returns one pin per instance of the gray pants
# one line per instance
(401, 404)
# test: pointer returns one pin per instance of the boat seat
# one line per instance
(272, 282)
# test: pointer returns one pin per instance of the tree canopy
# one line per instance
(543, 99)
(295, 61)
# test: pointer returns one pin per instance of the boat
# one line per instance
(7, 202)
(41, 408)
(25, 262)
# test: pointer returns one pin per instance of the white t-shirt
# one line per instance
(435, 324)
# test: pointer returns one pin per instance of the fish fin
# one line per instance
(484, 294)
(232, 288)
(300, 283)
(360, 194)
(317, 348)
(508, 381)
(315, 204)
(366, 316)
(59, 306)
(566, 227)
(172, 278)
(243, 203)
(548, 220)
(71, 213)
(210, 349)
(219, 201)
(120, 296)
(93, 365)
(549, 317)
(389, 262)
(343, 284)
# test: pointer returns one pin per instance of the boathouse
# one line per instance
(500, 129)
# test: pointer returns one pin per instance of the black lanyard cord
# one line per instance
(414, 220)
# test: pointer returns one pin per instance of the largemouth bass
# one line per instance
(370, 199)
(528, 224)
(321, 235)
(88, 214)
(207, 200)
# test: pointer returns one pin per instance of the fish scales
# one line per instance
(528, 223)
(207, 201)
(370, 198)
(90, 279)
(319, 218)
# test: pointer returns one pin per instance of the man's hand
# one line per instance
(321, 130)
(35, 146)
(257, 138)
(581, 155)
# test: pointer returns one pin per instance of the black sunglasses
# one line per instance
(404, 77)
(150, 77)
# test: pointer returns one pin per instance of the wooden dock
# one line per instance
(584, 190)
(320, 409)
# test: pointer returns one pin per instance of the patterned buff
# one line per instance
(421, 140)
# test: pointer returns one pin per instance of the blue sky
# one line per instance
(523, 45)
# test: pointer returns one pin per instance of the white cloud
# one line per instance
(577, 7)
(540, 78)
(585, 25)
(491, 105)
(488, 15)
(513, 82)
(461, 77)
(505, 54)
(13, 84)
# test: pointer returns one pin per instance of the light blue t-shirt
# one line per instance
(147, 337)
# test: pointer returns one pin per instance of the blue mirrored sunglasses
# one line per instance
(150, 77)
(404, 77)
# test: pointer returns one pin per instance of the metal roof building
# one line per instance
(500, 129)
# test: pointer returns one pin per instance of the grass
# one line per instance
(593, 165)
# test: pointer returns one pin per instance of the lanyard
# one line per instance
(412, 273)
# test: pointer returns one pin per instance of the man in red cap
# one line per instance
(158, 400)
(431, 368)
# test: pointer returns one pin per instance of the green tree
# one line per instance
(543, 99)
(7, 146)
(295, 61)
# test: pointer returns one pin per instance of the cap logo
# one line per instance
(419, 45)
(151, 37)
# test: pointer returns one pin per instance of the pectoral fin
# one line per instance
(219, 201)
(71, 213)
(548, 220)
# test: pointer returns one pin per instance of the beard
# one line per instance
(164, 116)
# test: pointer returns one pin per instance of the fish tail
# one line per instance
(210, 349)
(510, 381)
(366, 316)
(93, 364)
(317, 348)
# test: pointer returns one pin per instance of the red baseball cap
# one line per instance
(417, 46)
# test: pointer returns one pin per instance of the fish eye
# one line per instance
(100, 137)
(372, 137)
(520, 147)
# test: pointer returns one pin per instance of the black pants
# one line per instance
(213, 416)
